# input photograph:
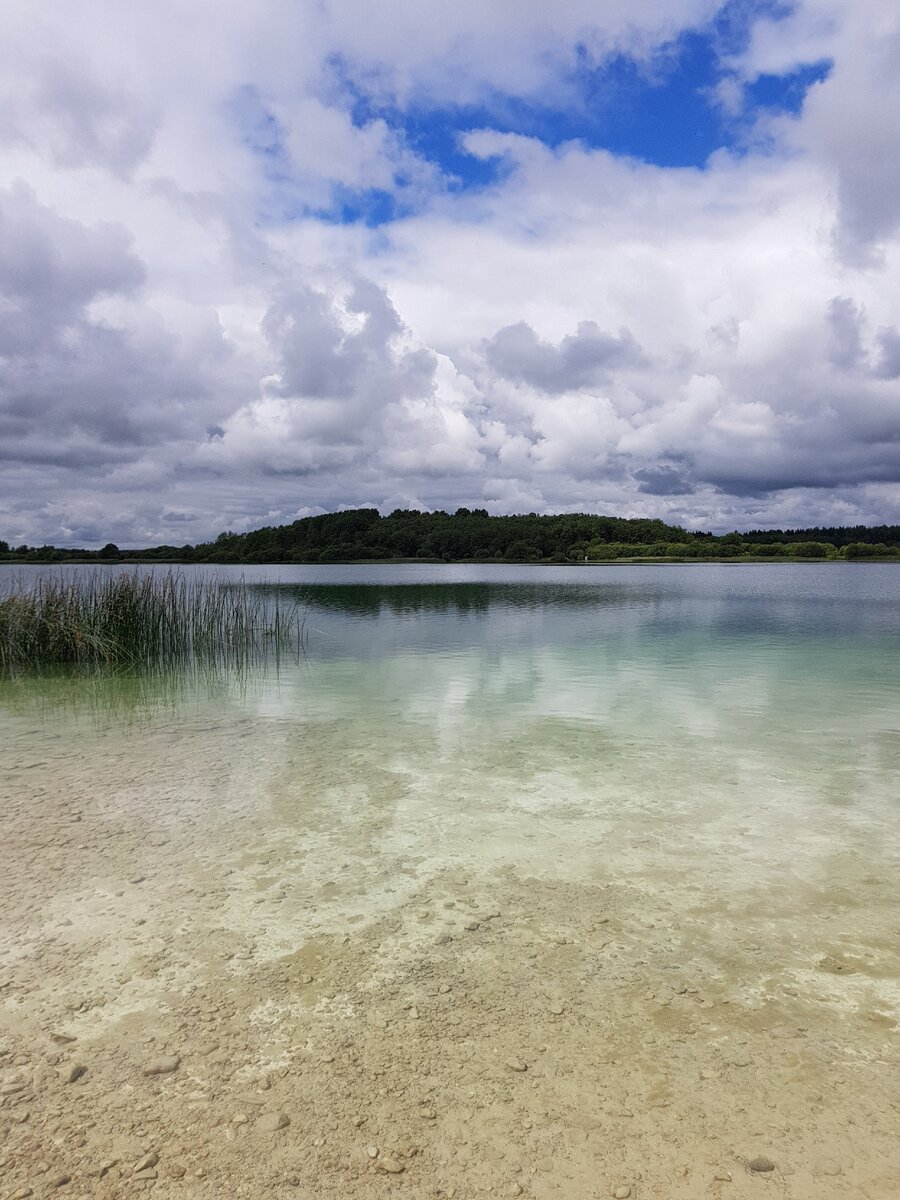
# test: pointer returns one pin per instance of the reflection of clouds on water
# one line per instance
(737, 722)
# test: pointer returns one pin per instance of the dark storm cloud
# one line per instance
(88, 124)
(845, 326)
(580, 360)
(888, 365)
(327, 356)
(665, 481)
(51, 268)
(74, 387)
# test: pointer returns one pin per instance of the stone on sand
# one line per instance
(162, 1066)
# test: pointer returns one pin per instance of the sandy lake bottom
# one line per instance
(368, 932)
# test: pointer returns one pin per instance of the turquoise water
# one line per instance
(559, 710)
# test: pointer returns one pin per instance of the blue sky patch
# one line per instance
(663, 111)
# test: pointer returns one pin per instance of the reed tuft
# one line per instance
(142, 620)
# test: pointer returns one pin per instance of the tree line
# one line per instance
(471, 534)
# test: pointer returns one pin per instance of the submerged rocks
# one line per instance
(391, 1166)
(761, 1165)
(271, 1122)
(164, 1065)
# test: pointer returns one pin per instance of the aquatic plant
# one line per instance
(140, 620)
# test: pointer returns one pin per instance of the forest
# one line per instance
(363, 534)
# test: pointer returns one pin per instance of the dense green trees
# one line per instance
(470, 534)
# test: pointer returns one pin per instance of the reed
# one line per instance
(142, 620)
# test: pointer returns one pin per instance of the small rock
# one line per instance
(516, 1064)
(240, 1119)
(137, 879)
(428, 1114)
(73, 1073)
(722, 1177)
(830, 1167)
(444, 989)
(515, 1189)
(61, 1039)
(144, 1176)
(271, 1122)
(761, 1164)
(557, 1010)
(60, 1180)
(390, 1165)
(177, 1170)
(473, 925)
(148, 1161)
(372, 1151)
(623, 1192)
(163, 1066)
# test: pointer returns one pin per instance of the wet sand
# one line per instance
(227, 971)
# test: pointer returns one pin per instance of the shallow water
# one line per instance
(708, 755)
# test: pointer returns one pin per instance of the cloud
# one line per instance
(581, 360)
(195, 334)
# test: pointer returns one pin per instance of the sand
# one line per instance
(199, 998)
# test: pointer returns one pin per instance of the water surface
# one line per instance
(704, 757)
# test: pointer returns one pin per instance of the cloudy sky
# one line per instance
(264, 260)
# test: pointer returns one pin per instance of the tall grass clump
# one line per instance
(140, 621)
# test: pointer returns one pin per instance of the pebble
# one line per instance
(273, 1121)
(444, 989)
(516, 1064)
(557, 1009)
(428, 1114)
(761, 1164)
(372, 1151)
(162, 1066)
(623, 1192)
(722, 1177)
(144, 1176)
(61, 1180)
(73, 1073)
(148, 1161)
(390, 1165)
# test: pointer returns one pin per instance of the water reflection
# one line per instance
(132, 698)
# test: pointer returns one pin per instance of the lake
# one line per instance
(560, 879)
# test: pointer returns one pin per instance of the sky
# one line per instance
(261, 261)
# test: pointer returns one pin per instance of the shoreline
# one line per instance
(744, 559)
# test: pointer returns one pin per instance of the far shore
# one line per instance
(740, 560)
